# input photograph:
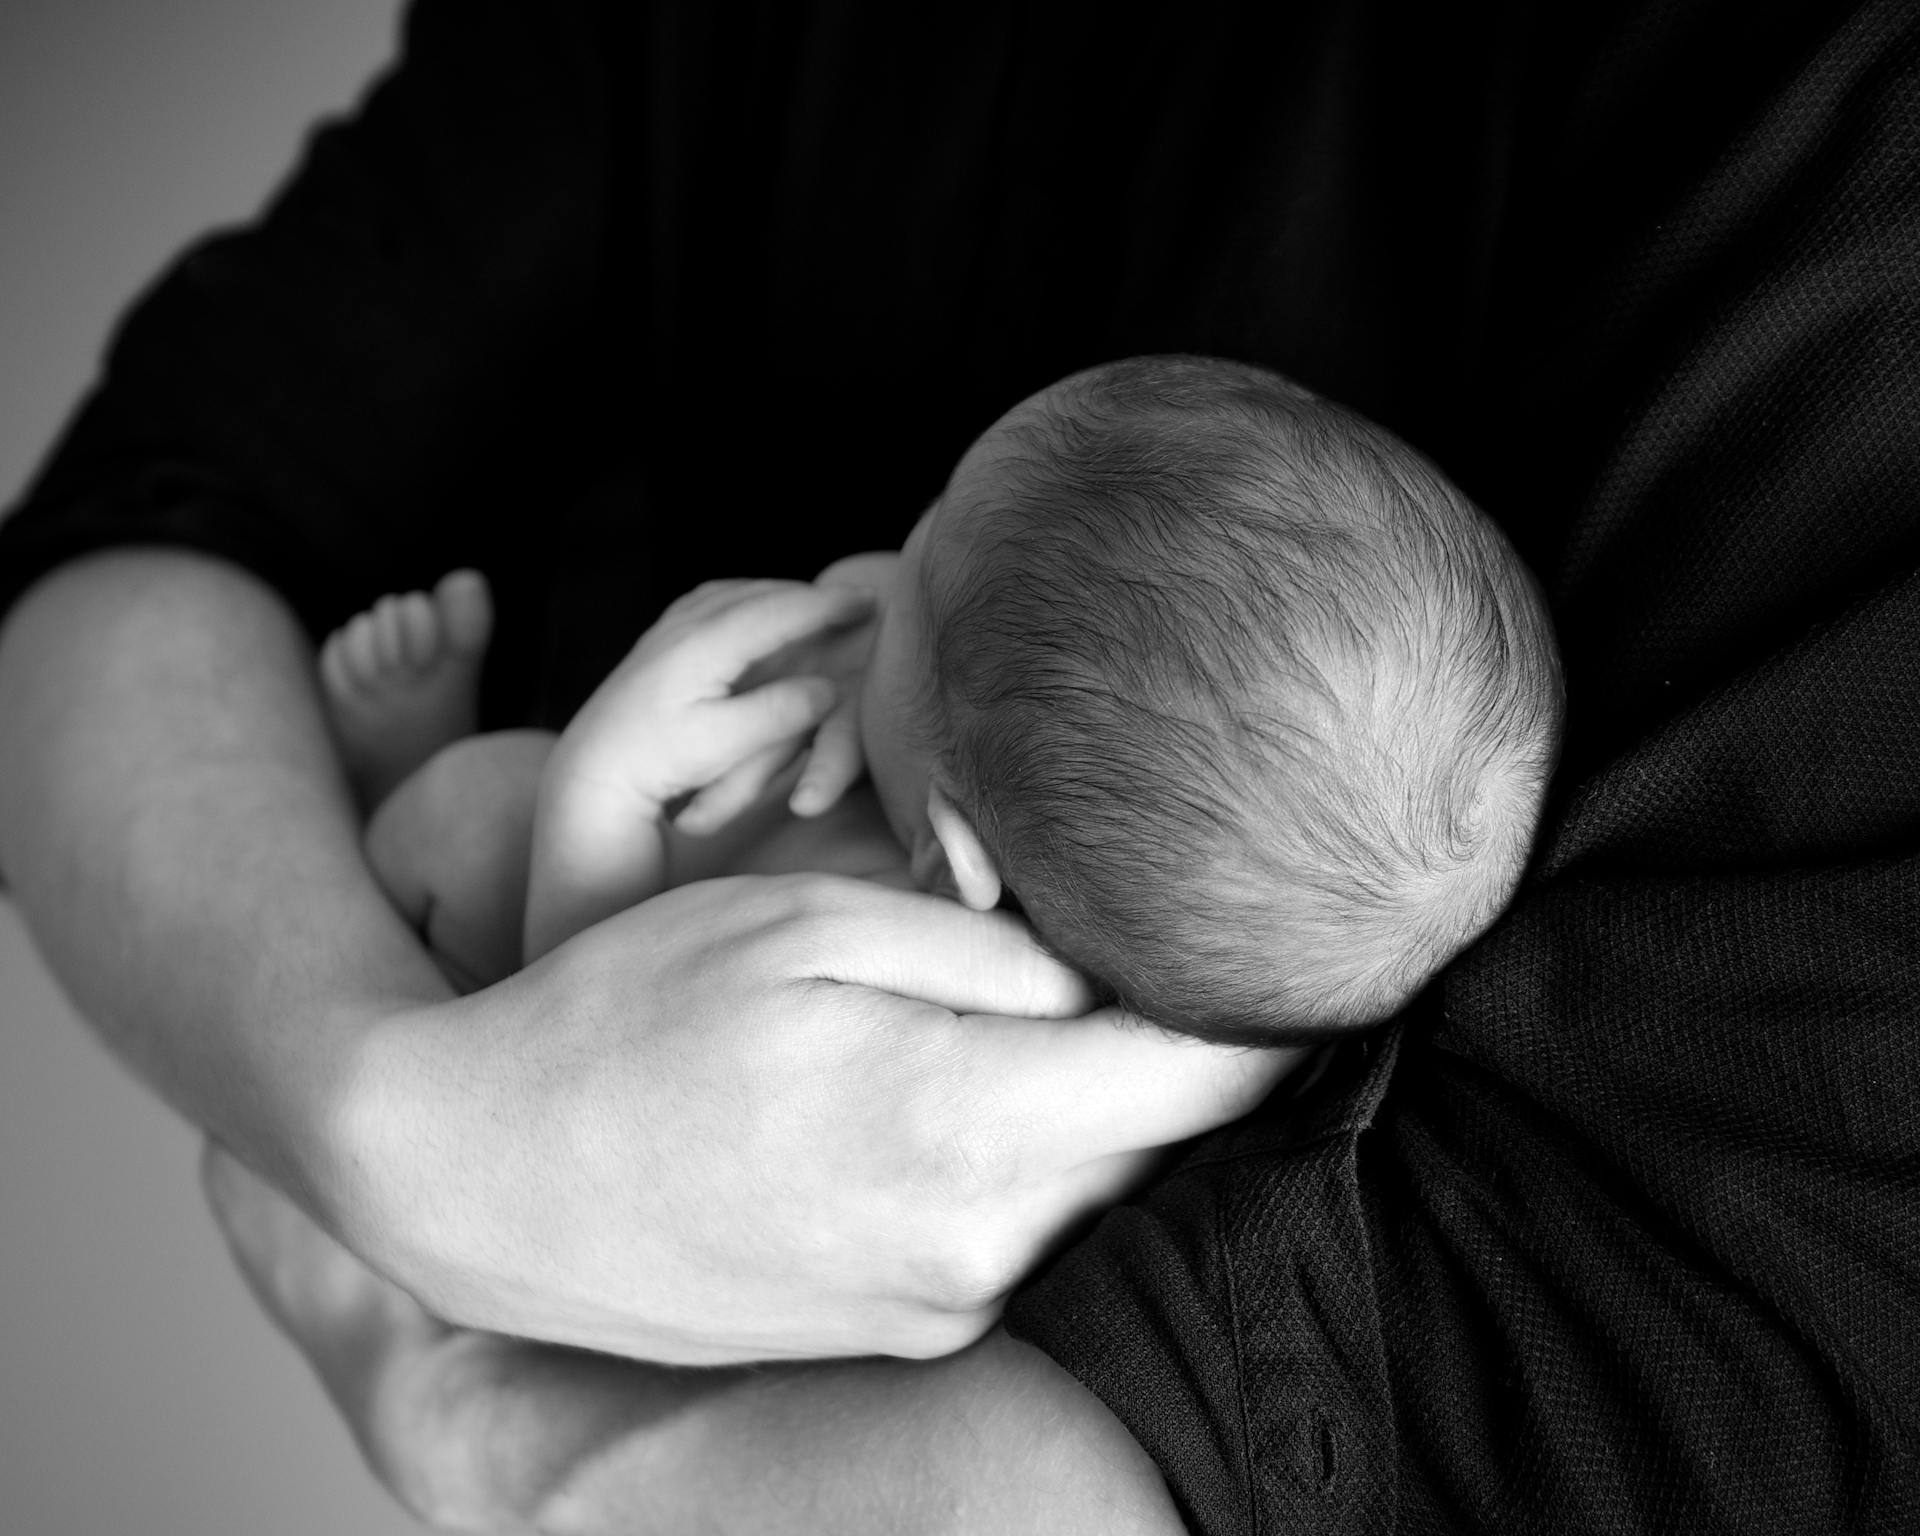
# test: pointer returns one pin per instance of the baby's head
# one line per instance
(1249, 709)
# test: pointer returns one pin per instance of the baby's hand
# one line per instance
(682, 715)
(836, 762)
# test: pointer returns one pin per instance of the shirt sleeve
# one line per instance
(385, 373)
(1627, 1237)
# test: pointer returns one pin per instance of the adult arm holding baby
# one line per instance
(484, 1432)
(172, 823)
(178, 833)
(1605, 1236)
(476, 1431)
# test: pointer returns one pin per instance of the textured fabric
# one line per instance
(1618, 1229)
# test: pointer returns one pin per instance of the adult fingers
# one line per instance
(928, 948)
(1064, 1085)
(1075, 1091)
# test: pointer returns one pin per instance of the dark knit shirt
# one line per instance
(1618, 1228)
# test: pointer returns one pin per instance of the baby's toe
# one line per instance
(389, 637)
(360, 650)
(466, 610)
(336, 674)
(419, 631)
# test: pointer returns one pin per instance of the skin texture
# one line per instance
(483, 1433)
(178, 837)
(558, 1156)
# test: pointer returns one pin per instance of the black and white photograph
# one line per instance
(830, 768)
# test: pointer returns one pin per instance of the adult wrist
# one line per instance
(370, 1164)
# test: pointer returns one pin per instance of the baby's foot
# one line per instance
(402, 680)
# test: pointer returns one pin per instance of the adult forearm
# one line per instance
(703, 1131)
(181, 841)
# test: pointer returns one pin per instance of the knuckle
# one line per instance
(967, 1284)
(792, 927)
(973, 1258)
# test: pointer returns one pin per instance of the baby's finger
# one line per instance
(711, 595)
(872, 570)
(735, 790)
(783, 711)
(834, 764)
(695, 607)
(733, 638)
(708, 601)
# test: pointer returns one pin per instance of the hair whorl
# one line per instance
(1252, 707)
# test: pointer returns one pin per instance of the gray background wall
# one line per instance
(140, 1394)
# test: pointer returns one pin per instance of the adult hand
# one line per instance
(760, 1118)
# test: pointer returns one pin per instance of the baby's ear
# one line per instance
(975, 876)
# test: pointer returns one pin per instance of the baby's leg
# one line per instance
(451, 845)
(454, 812)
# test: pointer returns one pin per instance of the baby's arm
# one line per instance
(665, 725)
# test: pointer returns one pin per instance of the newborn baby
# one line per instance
(1246, 708)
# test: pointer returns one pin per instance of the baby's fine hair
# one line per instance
(1254, 710)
